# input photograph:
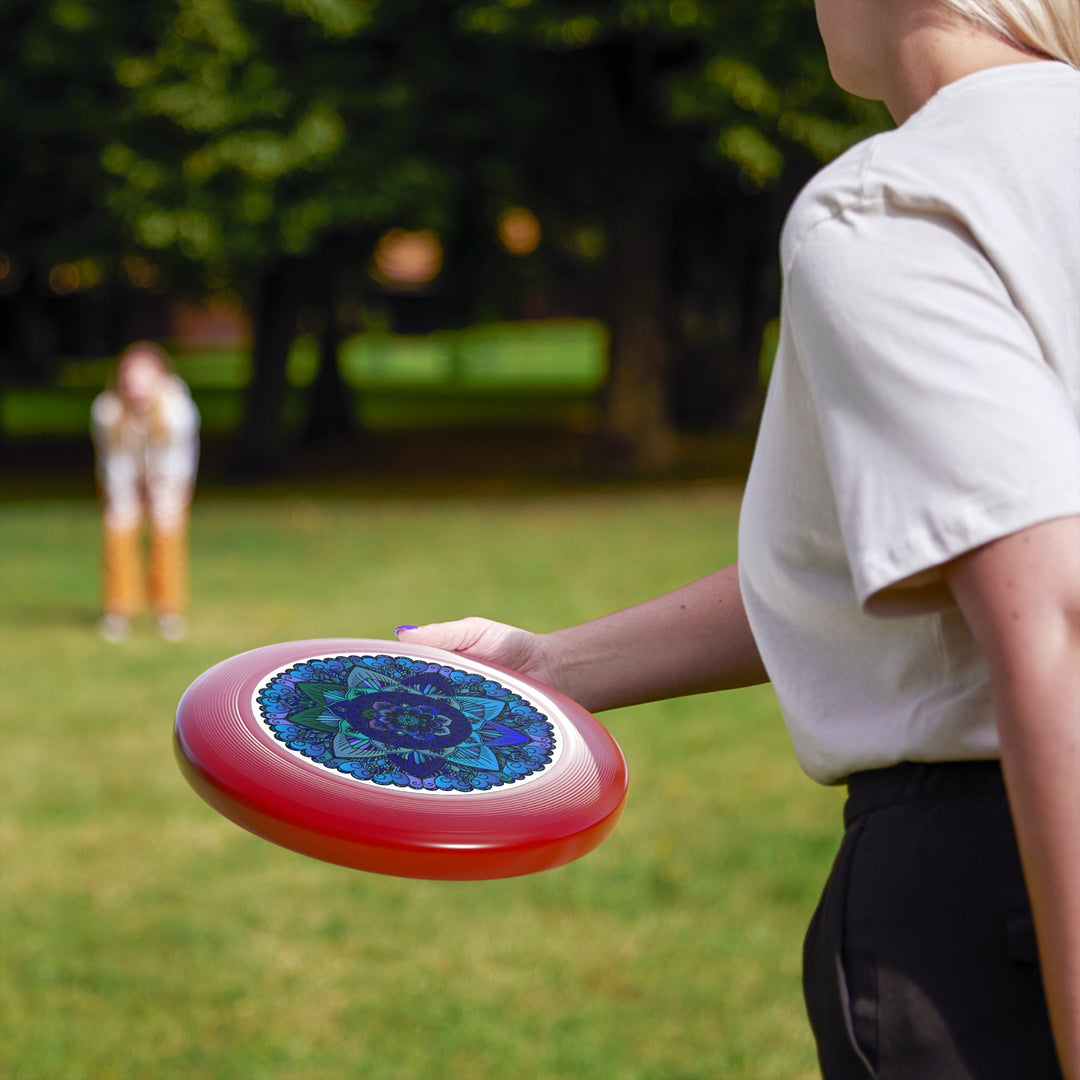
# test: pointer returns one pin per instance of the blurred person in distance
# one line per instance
(146, 438)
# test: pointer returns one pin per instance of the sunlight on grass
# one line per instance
(144, 936)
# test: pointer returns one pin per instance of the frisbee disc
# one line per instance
(400, 759)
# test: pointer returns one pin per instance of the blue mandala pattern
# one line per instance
(407, 723)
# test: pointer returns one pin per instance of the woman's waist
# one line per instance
(914, 781)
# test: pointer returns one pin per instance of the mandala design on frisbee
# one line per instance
(407, 723)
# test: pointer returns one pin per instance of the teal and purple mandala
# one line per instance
(407, 723)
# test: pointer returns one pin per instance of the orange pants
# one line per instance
(124, 584)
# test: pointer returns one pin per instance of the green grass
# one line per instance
(144, 936)
(548, 371)
(30, 411)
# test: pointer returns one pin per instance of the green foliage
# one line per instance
(145, 936)
(58, 108)
(260, 147)
(226, 131)
(749, 79)
(286, 120)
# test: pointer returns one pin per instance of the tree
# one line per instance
(59, 108)
(262, 146)
(689, 109)
(276, 140)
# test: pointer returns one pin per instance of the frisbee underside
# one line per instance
(400, 759)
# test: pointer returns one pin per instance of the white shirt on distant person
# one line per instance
(146, 463)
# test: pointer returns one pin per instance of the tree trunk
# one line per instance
(331, 411)
(261, 446)
(34, 346)
(637, 424)
(727, 283)
(634, 194)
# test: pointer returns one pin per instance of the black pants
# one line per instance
(920, 961)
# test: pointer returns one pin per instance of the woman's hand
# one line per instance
(491, 642)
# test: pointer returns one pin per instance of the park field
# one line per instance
(146, 938)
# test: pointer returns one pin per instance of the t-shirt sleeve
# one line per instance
(944, 425)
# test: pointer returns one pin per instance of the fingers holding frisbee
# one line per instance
(508, 647)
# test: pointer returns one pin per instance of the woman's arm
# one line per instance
(689, 641)
(1021, 598)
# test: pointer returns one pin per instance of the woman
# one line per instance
(909, 574)
(146, 436)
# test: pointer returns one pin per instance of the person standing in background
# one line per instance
(146, 438)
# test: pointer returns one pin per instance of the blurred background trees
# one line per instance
(412, 165)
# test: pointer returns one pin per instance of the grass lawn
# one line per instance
(546, 371)
(144, 936)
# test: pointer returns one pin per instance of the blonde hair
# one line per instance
(1048, 27)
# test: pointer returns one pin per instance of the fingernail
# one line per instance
(398, 629)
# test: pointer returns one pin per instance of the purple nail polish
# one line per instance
(398, 629)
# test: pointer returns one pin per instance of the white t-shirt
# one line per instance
(925, 400)
(146, 463)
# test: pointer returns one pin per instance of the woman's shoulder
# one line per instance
(831, 192)
(177, 408)
(106, 410)
(997, 142)
(176, 389)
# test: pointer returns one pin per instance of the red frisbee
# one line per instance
(400, 759)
